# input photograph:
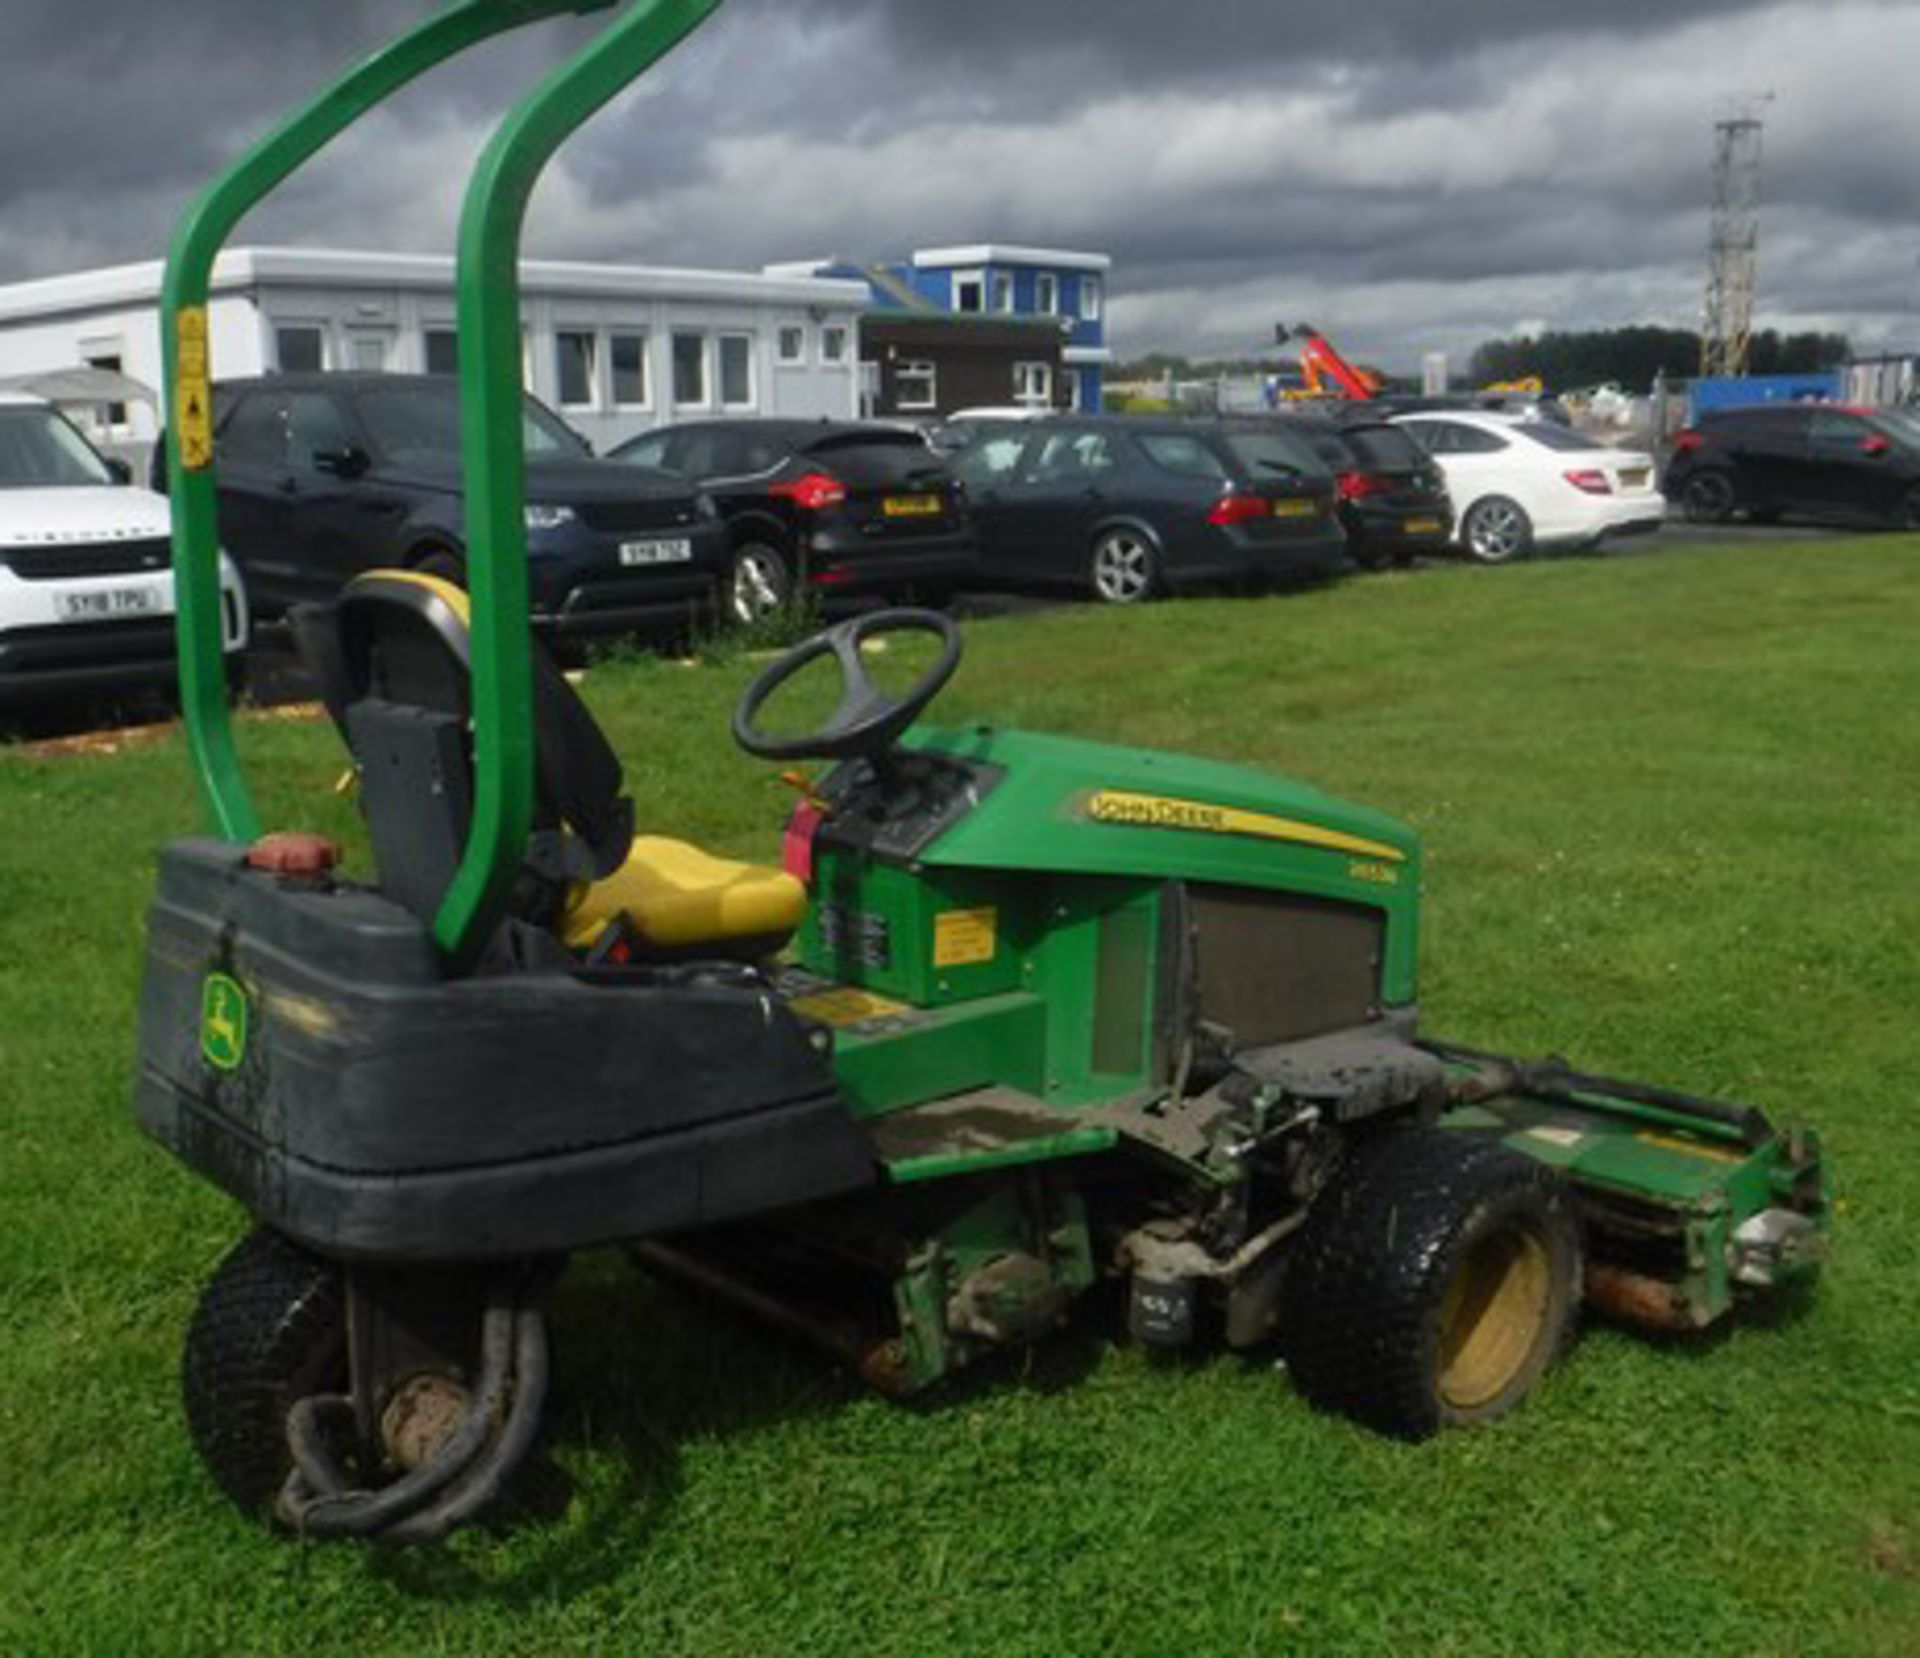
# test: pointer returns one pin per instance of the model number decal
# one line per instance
(1160, 811)
(1380, 875)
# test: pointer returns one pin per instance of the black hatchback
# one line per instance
(1814, 460)
(1125, 508)
(322, 476)
(1393, 498)
(836, 507)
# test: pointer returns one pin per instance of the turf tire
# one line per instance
(1368, 1290)
(270, 1329)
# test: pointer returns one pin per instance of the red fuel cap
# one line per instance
(292, 852)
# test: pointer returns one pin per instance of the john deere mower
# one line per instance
(1015, 1017)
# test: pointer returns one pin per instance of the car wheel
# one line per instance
(1496, 530)
(1124, 568)
(1907, 515)
(443, 564)
(759, 583)
(1707, 498)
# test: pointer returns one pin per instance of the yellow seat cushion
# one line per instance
(678, 897)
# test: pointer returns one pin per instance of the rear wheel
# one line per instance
(1435, 1282)
(1124, 568)
(759, 584)
(271, 1329)
(1708, 498)
(1496, 530)
(1907, 514)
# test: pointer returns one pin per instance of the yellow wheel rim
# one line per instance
(1493, 1317)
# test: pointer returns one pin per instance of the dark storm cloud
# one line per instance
(1411, 171)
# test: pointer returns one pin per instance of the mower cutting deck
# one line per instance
(1017, 1015)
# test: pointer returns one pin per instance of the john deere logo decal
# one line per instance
(223, 1022)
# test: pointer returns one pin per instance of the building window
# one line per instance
(833, 343)
(792, 343)
(736, 370)
(109, 360)
(1046, 294)
(628, 355)
(1033, 384)
(970, 292)
(690, 370)
(1090, 298)
(300, 348)
(573, 355)
(442, 351)
(1003, 290)
(914, 387)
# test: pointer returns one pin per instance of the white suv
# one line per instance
(86, 577)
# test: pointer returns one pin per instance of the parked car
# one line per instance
(835, 506)
(86, 574)
(1126, 508)
(322, 476)
(1522, 485)
(1823, 461)
(1393, 499)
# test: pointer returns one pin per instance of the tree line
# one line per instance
(1633, 356)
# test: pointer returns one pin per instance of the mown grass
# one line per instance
(1670, 805)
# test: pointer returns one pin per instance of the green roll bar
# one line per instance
(492, 445)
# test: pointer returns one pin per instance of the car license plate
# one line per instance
(105, 604)
(1633, 477)
(1294, 506)
(910, 506)
(1423, 526)
(675, 550)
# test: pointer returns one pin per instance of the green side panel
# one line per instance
(929, 938)
(1045, 814)
(927, 1054)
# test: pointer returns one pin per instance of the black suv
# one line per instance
(1393, 498)
(322, 476)
(1815, 459)
(838, 507)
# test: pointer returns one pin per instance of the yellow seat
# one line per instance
(677, 897)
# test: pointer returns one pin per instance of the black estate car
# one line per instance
(1125, 508)
(840, 507)
(322, 476)
(1818, 460)
(1393, 498)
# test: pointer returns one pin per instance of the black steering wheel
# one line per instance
(868, 718)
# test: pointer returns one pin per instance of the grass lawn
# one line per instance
(1672, 806)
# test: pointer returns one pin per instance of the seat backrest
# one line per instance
(392, 656)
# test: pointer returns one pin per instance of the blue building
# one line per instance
(994, 279)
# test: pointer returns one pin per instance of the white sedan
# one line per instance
(1518, 485)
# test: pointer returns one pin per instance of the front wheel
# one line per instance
(1124, 568)
(1435, 1282)
(1496, 531)
(759, 583)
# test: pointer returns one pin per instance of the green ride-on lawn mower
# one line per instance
(1018, 1016)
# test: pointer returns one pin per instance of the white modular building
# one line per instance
(616, 349)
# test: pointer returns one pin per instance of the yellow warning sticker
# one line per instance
(962, 938)
(846, 1006)
(193, 389)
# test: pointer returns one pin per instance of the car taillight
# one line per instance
(1239, 509)
(1688, 443)
(812, 491)
(1356, 486)
(1590, 481)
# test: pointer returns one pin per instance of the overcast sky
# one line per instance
(1407, 174)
